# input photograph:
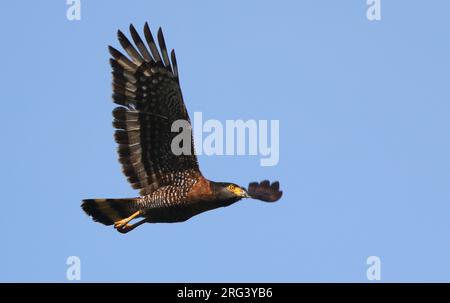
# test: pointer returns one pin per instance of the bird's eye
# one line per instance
(231, 187)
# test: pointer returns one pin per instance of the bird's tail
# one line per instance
(108, 211)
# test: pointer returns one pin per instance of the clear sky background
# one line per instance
(364, 110)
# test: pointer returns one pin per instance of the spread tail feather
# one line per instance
(108, 211)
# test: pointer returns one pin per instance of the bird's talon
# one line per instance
(120, 224)
(124, 229)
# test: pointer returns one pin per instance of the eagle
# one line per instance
(147, 90)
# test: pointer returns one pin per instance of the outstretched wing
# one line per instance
(146, 86)
(265, 191)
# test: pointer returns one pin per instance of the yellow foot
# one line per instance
(121, 223)
(123, 227)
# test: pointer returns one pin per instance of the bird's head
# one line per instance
(229, 192)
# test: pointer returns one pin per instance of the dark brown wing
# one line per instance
(265, 191)
(146, 87)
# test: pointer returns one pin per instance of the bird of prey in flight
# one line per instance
(172, 188)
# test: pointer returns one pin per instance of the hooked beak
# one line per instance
(246, 195)
(240, 192)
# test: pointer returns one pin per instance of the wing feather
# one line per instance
(122, 60)
(140, 44)
(129, 48)
(149, 97)
(162, 46)
(265, 191)
(174, 63)
(151, 43)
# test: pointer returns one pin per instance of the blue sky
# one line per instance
(364, 140)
